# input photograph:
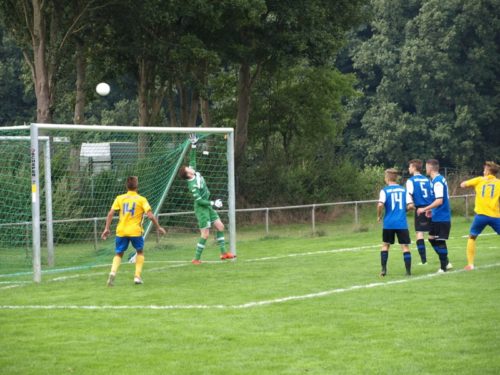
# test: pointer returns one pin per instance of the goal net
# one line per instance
(59, 182)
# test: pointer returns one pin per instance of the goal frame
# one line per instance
(39, 132)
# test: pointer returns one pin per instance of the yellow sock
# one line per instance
(116, 263)
(471, 251)
(139, 262)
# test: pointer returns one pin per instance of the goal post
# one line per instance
(75, 172)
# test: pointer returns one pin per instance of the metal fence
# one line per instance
(97, 222)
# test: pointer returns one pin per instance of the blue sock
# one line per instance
(434, 245)
(442, 251)
(407, 259)
(421, 250)
(384, 255)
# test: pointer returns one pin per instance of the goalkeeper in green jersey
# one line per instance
(203, 206)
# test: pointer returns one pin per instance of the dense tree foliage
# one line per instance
(415, 78)
(429, 71)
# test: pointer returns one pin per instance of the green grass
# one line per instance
(206, 323)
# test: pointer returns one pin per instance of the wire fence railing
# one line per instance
(97, 223)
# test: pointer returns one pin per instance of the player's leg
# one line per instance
(219, 234)
(204, 223)
(138, 244)
(421, 247)
(404, 240)
(387, 241)
(121, 244)
(471, 252)
(440, 232)
(422, 223)
(437, 243)
(477, 227)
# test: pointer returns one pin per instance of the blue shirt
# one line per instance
(419, 187)
(395, 198)
(440, 190)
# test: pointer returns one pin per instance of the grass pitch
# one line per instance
(291, 304)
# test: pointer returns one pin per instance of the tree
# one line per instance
(271, 34)
(41, 29)
(15, 102)
(430, 76)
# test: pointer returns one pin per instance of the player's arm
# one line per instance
(154, 220)
(204, 202)
(379, 211)
(437, 202)
(409, 187)
(409, 202)
(109, 219)
(192, 155)
(380, 205)
(438, 193)
(469, 183)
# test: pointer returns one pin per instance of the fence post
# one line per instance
(466, 206)
(95, 233)
(267, 221)
(313, 218)
(356, 215)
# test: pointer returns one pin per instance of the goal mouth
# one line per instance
(66, 177)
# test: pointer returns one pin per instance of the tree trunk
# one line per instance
(205, 113)
(42, 90)
(171, 106)
(193, 109)
(79, 116)
(241, 132)
(184, 103)
(143, 139)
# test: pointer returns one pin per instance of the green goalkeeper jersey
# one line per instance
(197, 185)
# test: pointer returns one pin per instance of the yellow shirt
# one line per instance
(132, 207)
(487, 195)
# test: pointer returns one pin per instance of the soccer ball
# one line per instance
(103, 89)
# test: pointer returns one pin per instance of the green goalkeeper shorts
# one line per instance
(206, 216)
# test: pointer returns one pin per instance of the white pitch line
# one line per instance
(333, 251)
(247, 305)
(481, 235)
(181, 263)
(188, 262)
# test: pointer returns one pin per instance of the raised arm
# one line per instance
(192, 155)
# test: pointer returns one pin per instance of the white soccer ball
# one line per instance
(103, 89)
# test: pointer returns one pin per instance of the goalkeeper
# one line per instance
(203, 206)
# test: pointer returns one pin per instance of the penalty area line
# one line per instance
(247, 305)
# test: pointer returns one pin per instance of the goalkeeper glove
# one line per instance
(217, 203)
(193, 139)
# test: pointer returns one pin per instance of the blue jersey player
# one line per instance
(395, 200)
(419, 188)
(441, 214)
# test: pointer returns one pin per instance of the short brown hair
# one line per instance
(132, 183)
(434, 163)
(417, 163)
(392, 174)
(492, 166)
(183, 172)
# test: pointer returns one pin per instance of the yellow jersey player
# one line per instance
(132, 208)
(487, 207)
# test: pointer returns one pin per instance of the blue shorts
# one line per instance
(481, 221)
(121, 243)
